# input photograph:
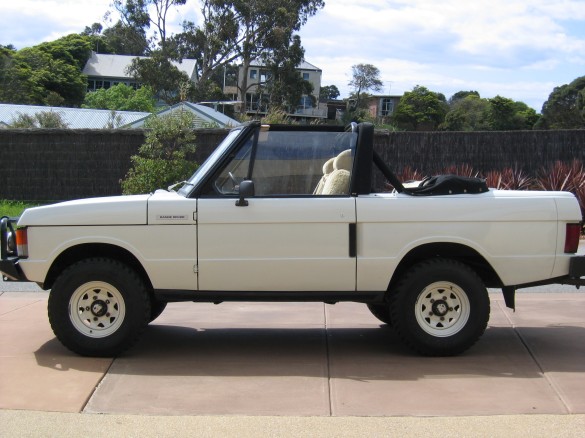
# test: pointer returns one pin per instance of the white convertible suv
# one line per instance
(295, 213)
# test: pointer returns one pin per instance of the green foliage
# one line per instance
(43, 119)
(121, 97)
(125, 40)
(507, 115)
(328, 92)
(163, 159)
(160, 75)
(420, 109)
(13, 208)
(462, 95)
(47, 74)
(277, 116)
(565, 107)
(285, 85)
(469, 113)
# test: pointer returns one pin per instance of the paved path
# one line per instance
(292, 366)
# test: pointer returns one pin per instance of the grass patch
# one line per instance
(13, 208)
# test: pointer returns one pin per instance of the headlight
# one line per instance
(11, 242)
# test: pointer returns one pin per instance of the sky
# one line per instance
(519, 49)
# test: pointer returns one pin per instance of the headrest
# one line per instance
(328, 166)
(343, 161)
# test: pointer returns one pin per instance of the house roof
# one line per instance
(75, 118)
(304, 65)
(204, 116)
(115, 66)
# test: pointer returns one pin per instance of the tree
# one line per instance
(508, 115)
(161, 76)
(122, 39)
(468, 113)
(42, 119)
(211, 44)
(135, 14)
(244, 30)
(285, 86)
(163, 159)
(328, 92)
(47, 74)
(462, 95)
(565, 107)
(420, 109)
(121, 97)
(365, 77)
(17, 83)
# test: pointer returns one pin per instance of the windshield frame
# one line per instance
(198, 178)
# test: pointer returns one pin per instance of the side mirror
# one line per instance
(246, 191)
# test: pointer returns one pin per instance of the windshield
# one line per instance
(204, 168)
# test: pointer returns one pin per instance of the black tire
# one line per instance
(382, 312)
(156, 309)
(98, 307)
(440, 307)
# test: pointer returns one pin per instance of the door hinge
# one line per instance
(196, 269)
(194, 216)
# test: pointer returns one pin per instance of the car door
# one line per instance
(286, 237)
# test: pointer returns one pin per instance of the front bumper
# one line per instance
(11, 270)
(9, 267)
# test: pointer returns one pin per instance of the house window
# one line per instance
(306, 76)
(386, 107)
(90, 85)
(253, 73)
(305, 103)
(263, 75)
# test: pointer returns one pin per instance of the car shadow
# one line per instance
(358, 353)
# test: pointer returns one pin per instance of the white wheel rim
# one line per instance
(97, 309)
(442, 309)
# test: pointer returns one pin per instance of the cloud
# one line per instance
(25, 23)
(504, 45)
(523, 48)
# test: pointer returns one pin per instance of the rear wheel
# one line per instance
(98, 307)
(440, 307)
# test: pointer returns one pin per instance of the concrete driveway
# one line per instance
(299, 360)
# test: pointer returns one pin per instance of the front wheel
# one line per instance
(440, 307)
(98, 307)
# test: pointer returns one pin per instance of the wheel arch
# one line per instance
(448, 250)
(89, 250)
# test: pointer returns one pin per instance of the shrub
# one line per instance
(163, 158)
(510, 179)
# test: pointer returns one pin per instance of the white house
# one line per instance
(104, 71)
(257, 75)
